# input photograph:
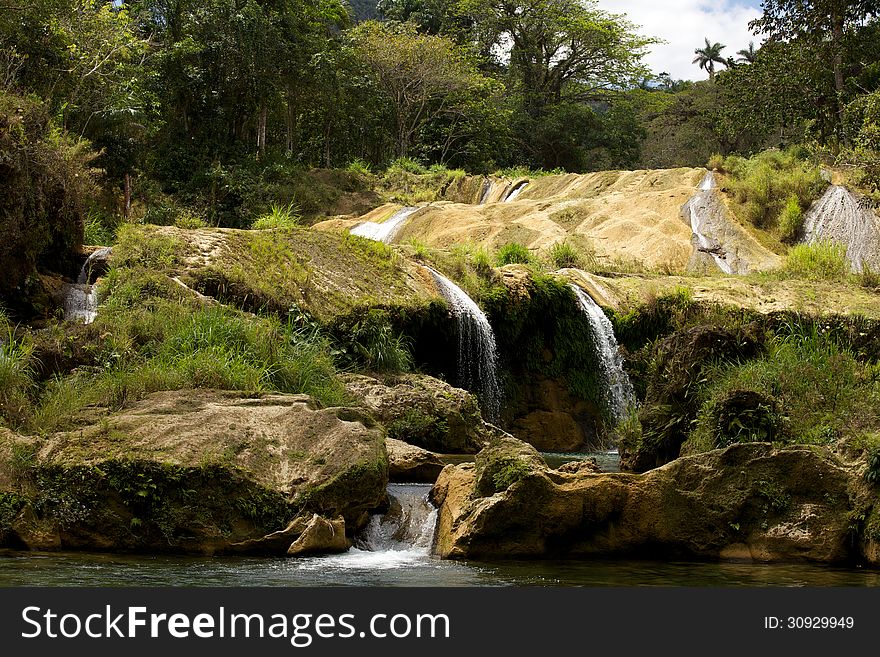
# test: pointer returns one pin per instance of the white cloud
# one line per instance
(684, 24)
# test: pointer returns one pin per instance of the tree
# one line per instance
(748, 55)
(708, 56)
(821, 24)
(555, 50)
(420, 75)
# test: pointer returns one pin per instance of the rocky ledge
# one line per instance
(199, 472)
(749, 501)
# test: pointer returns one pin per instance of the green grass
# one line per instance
(791, 220)
(16, 372)
(513, 253)
(821, 390)
(279, 217)
(765, 188)
(821, 261)
(563, 255)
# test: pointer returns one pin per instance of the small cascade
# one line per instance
(477, 355)
(80, 299)
(86, 273)
(838, 216)
(408, 525)
(385, 231)
(619, 393)
(516, 190)
(698, 209)
(487, 189)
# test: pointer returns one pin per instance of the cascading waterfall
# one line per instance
(487, 190)
(697, 208)
(837, 216)
(81, 298)
(618, 392)
(385, 231)
(477, 355)
(516, 191)
(407, 526)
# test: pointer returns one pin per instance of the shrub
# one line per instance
(98, 229)
(513, 253)
(359, 166)
(868, 277)
(373, 344)
(189, 220)
(716, 163)
(563, 255)
(824, 260)
(791, 220)
(278, 217)
(408, 165)
(16, 383)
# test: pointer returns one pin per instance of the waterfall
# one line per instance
(487, 189)
(698, 210)
(516, 191)
(837, 216)
(385, 231)
(477, 356)
(80, 299)
(85, 274)
(618, 392)
(407, 526)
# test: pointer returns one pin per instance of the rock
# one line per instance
(411, 464)
(746, 501)
(424, 411)
(548, 416)
(193, 471)
(586, 466)
(320, 537)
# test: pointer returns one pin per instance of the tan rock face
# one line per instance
(194, 471)
(748, 501)
(320, 536)
(424, 411)
(410, 464)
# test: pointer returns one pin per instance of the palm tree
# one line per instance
(748, 55)
(710, 55)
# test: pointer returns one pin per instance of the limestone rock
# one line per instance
(424, 411)
(746, 501)
(411, 464)
(320, 536)
(194, 471)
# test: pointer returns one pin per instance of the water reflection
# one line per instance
(406, 568)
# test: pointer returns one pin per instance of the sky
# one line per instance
(684, 24)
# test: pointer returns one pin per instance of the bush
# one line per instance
(791, 220)
(513, 253)
(868, 277)
(278, 217)
(716, 163)
(824, 260)
(48, 184)
(564, 255)
(372, 343)
(16, 383)
(763, 186)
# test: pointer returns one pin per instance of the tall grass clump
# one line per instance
(764, 185)
(16, 376)
(513, 253)
(791, 220)
(563, 255)
(813, 389)
(279, 216)
(821, 261)
(371, 342)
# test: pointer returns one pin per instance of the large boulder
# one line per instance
(410, 464)
(749, 501)
(424, 411)
(193, 471)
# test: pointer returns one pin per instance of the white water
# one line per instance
(477, 355)
(619, 393)
(385, 231)
(837, 216)
(487, 189)
(516, 191)
(400, 538)
(696, 208)
(80, 301)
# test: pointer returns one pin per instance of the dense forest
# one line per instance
(156, 107)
